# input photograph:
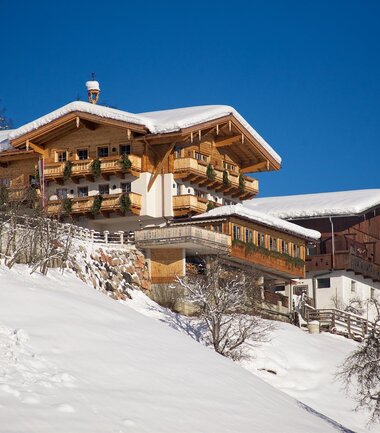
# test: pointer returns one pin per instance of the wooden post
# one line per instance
(349, 325)
(106, 233)
(121, 233)
(333, 319)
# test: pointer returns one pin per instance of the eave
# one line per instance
(70, 122)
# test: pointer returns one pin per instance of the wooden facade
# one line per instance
(356, 245)
(266, 248)
(209, 161)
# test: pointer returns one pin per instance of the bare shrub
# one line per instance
(228, 301)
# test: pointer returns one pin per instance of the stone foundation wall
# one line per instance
(111, 270)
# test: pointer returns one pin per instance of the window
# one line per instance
(61, 193)
(312, 250)
(104, 189)
(261, 239)
(200, 157)
(178, 190)
(228, 166)
(297, 251)
(125, 149)
(236, 232)
(62, 156)
(125, 187)
(323, 283)
(82, 154)
(33, 182)
(103, 152)
(218, 227)
(5, 182)
(248, 236)
(353, 286)
(200, 194)
(177, 152)
(273, 244)
(82, 191)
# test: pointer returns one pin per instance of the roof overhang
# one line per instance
(68, 123)
(228, 134)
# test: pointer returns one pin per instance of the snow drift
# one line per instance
(73, 360)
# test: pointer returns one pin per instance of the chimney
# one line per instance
(93, 90)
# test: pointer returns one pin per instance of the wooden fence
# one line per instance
(340, 322)
(105, 237)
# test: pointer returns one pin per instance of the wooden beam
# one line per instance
(88, 124)
(255, 167)
(227, 141)
(36, 148)
(160, 165)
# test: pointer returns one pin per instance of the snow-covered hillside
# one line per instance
(294, 361)
(73, 360)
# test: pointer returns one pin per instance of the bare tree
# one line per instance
(360, 372)
(228, 302)
(354, 305)
(27, 236)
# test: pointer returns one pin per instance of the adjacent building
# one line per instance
(344, 267)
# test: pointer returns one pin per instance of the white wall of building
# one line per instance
(344, 286)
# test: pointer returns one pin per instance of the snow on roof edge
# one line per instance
(260, 217)
(154, 121)
(81, 106)
(317, 205)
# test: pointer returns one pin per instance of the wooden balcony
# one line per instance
(194, 171)
(190, 237)
(83, 169)
(189, 205)
(266, 260)
(344, 260)
(83, 205)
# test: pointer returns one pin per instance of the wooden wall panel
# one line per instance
(166, 263)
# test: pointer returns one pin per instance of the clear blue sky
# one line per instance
(305, 74)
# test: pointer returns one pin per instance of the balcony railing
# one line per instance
(194, 171)
(84, 205)
(344, 260)
(83, 168)
(189, 204)
(197, 236)
(284, 265)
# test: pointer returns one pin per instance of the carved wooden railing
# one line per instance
(183, 234)
(108, 165)
(83, 205)
(190, 203)
(187, 166)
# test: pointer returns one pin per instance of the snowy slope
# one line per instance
(304, 364)
(74, 361)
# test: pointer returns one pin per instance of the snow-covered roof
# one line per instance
(4, 139)
(77, 106)
(342, 203)
(180, 118)
(157, 122)
(261, 218)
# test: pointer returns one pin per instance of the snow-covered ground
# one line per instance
(300, 364)
(73, 360)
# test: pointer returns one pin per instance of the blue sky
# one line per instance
(305, 74)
